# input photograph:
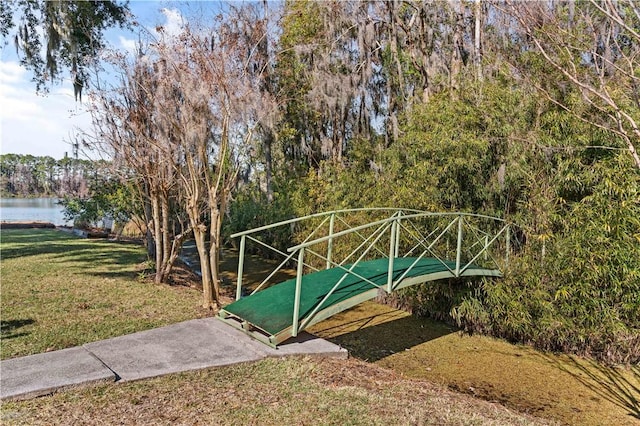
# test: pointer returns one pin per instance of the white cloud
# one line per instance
(35, 124)
(127, 44)
(45, 125)
(11, 72)
(175, 22)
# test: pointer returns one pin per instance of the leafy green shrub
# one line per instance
(251, 209)
(108, 198)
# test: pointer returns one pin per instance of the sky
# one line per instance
(45, 125)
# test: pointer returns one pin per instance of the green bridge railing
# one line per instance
(461, 242)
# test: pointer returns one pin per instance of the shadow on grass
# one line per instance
(26, 236)
(375, 342)
(91, 254)
(39, 247)
(114, 256)
(608, 383)
(127, 275)
(8, 328)
(66, 247)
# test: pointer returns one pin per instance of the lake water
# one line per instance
(32, 209)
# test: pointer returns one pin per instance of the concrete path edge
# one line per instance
(186, 346)
(42, 374)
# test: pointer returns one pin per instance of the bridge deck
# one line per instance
(271, 310)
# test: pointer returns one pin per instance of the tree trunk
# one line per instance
(157, 231)
(268, 160)
(200, 236)
(477, 57)
(214, 252)
(176, 246)
(166, 234)
(148, 221)
(456, 48)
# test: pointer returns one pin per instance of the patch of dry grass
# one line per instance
(572, 390)
(270, 392)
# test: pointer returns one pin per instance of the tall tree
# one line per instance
(222, 104)
(125, 129)
(186, 109)
(350, 69)
(52, 36)
(594, 46)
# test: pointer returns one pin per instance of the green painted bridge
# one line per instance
(349, 256)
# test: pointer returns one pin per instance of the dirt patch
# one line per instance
(568, 389)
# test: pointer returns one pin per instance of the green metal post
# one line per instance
(296, 301)
(392, 249)
(240, 267)
(506, 258)
(330, 242)
(459, 246)
(486, 247)
(397, 248)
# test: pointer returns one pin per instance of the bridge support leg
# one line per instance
(240, 268)
(330, 242)
(392, 255)
(296, 302)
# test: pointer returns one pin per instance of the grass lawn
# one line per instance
(60, 291)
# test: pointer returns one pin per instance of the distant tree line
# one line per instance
(36, 176)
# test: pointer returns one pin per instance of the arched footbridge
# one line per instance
(347, 257)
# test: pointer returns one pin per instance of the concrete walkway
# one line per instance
(189, 345)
